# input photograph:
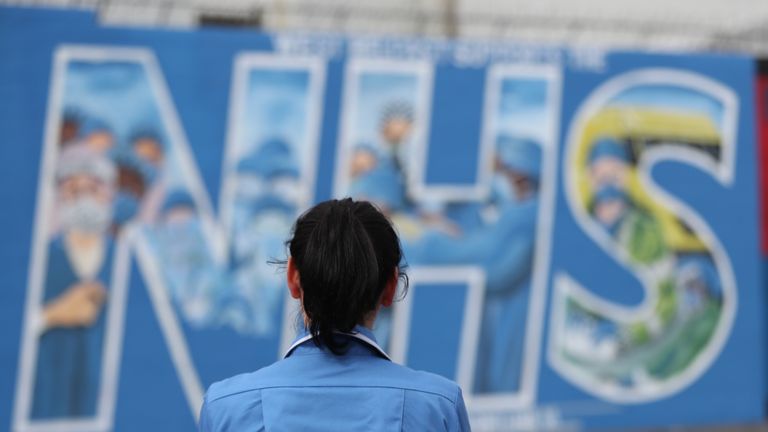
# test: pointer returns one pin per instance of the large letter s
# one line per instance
(626, 126)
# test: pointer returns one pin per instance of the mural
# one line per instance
(580, 238)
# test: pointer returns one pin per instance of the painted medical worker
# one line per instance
(344, 266)
(72, 320)
(190, 273)
(509, 265)
(395, 128)
(267, 198)
(381, 185)
(634, 229)
(385, 162)
(270, 171)
(504, 247)
(609, 163)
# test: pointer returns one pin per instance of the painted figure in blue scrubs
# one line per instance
(503, 245)
(344, 266)
(382, 184)
(609, 163)
(385, 163)
(508, 264)
(194, 281)
(396, 125)
(72, 321)
(633, 228)
(268, 196)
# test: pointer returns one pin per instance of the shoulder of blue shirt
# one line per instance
(398, 376)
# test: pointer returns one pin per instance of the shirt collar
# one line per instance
(363, 334)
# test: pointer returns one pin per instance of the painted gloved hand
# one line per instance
(78, 306)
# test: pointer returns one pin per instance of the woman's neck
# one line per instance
(368, 321)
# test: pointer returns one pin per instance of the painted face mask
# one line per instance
(249, 188)
(183, 246)
(185, 259)
(85, 214)
(286, 188)
(501, 190)
(148, 170)
(264, 233)
(125, 207)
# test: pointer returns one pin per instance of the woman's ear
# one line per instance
(294, 282)
(388, 296)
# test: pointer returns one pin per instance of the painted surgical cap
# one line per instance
(147, 132)
(178, 198)
(608, 147)
(126, 158)
(522, 155)
(273, 158)
(609, 192)
(79, 159)
(397, 110)
(91, 125)
(73, 114)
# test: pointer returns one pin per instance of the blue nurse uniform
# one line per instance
(312, 389)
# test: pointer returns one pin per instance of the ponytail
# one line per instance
(345, 252)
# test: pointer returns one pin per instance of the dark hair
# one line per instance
(346, 252)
